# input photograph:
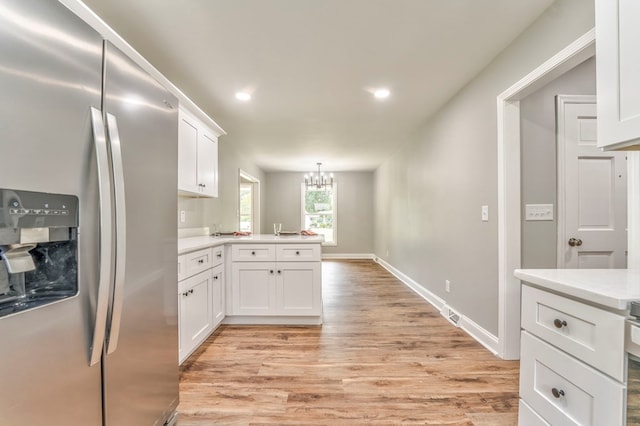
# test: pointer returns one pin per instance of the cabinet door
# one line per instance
(618, 72)
(208, 163)
(187, 154)
(196, 314)
(218, 295)
(253, 288)
(299, 288)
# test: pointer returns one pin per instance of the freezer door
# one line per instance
(50, 77)
(141, 368)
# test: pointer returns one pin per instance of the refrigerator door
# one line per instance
(50, 77)
(141, 366)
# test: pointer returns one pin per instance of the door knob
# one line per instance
(575, 242)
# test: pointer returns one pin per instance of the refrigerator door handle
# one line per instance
(106, 237)
(121, 232)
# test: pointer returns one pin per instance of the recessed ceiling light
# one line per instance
(381, 93)
(243, 96)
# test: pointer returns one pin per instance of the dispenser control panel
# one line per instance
(25, 209)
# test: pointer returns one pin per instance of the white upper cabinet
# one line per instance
(197, 157)
(618, 73)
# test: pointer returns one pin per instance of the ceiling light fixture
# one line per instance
(319, 180)
(243, 96)
(381, 93)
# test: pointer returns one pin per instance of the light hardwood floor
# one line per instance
(382, 356)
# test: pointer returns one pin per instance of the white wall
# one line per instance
(428, 195)
(539, 160)
(201, 212)
(355, 208)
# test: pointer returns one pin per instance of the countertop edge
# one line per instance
(614, 295)
(190, 244)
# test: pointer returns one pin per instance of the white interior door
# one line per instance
(592, 191)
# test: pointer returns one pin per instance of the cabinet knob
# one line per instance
(253, 253)
(186, 293)
(215, 277)
(271, 271)
(297, 253)
(219, 255)
(279, 271)
(191, 291)
(201, 261)
(559, 323)
(557, 393)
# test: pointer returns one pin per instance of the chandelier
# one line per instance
(318, 180)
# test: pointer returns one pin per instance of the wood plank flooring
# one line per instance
(382, 356)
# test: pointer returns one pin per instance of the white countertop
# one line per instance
(186, 245)
(613, 288)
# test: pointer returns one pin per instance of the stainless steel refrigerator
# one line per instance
(88, 239)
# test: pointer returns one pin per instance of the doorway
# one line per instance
(509, 196)
(248, 202)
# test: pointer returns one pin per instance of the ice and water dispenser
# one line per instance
(38, 249)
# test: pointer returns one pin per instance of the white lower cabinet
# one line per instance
(201, 297)
(218, 296)
(196, 311)
(276, 288)
(262, 285)
(528, 417)
(565, 391)
(571, 362)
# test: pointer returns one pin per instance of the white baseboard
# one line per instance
(436, 301)
(474, 330)
(355, 256)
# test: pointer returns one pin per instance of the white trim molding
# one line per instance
(509, 199)
(474, 330)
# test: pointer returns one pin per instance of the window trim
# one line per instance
(334, 205)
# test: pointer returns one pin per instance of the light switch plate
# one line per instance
(538, 212)
(485, 213)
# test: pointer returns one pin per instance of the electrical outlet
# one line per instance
(183, 216)
(387, 252)
(447, 286)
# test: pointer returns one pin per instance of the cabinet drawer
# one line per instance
(528, 417)
(565, 391)
(218, 255)
(298, 252)
(198, 261)
(182, 267)
(592, 335)
(253, 253)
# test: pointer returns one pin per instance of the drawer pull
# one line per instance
(219, 255)
(253, 253)
(271, 271)
(191, 291)
(215, 277)
(557, 393)
(279, 271)
(186, 293)
(297, 253)
(201, 261)
(559, 323)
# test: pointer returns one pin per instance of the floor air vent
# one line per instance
(451, 315)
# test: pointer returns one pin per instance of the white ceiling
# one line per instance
(310, 65)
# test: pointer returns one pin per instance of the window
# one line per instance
(319, 212)
(246, 207)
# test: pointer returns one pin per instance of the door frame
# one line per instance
(509, 181)
(255, 207)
